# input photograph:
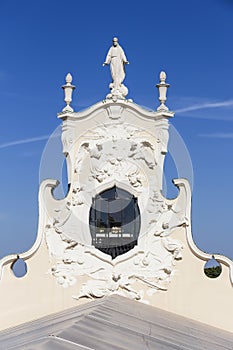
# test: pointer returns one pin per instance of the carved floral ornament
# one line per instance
(151, 262)
(125, 155)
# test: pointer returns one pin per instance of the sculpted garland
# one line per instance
(126, 155)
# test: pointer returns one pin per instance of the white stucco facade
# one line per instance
(116, 143)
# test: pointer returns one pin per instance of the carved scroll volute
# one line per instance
(68, 136)
(162, 139)
(68, 142)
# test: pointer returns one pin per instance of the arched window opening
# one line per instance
(114, 221)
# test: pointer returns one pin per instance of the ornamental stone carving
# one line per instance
(117, 60)
(115, 153)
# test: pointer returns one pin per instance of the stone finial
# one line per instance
(68, 90)
(162, 86)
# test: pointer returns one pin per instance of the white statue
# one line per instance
(117, 60)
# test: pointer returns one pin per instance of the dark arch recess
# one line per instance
(114, 221)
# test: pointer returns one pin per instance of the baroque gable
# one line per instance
(115, 144)
(115, 232)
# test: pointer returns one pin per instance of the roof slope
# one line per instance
(113, 323)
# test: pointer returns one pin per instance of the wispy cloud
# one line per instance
(206, 105)
(28, 140)
(218, 135)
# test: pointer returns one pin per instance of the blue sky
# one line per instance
(41, 41)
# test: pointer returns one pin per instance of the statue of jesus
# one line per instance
(117, 60)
